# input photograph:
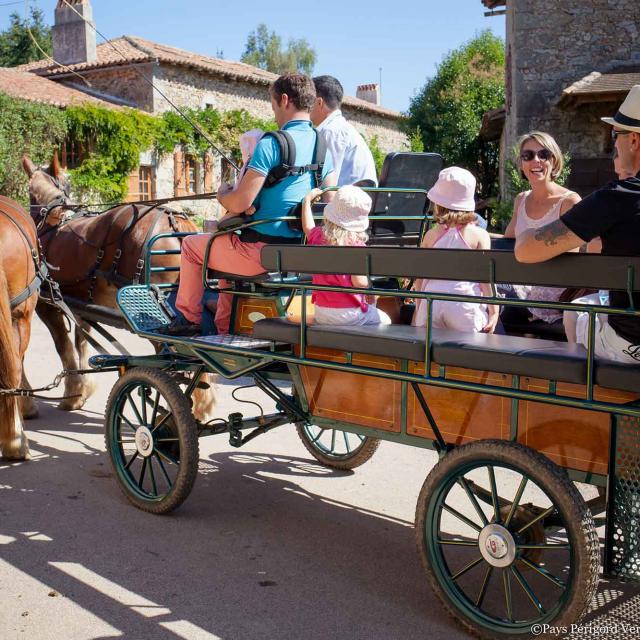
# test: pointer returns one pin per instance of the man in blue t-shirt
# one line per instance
(292, 96)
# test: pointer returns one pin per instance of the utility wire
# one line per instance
(195, 126)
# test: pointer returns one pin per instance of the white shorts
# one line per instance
(469, 317)
(607, 343)
(350, 316)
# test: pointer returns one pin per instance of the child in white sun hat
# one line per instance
(455, 228)
(346, 220)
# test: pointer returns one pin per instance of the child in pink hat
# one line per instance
(455, 228)
(346, 220)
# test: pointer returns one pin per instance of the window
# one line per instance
(145, 183)
(72, 153)
(190, 174)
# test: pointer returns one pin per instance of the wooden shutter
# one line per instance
(208, 172)
(179, 177)
(133, 186)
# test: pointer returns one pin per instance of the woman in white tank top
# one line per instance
(540, 161)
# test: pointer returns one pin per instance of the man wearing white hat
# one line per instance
(613, 213)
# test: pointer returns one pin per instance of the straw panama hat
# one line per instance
(454, 190)
(349, 209)
(628, 116)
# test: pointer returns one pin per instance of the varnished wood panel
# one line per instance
(461, 416)
(350, 397)
(262, 307)
(573, 438)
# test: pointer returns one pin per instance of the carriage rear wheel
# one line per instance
(527, 556)
(152, 440)
(335, 448)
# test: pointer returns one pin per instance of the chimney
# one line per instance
(369, 92)
(73, 39)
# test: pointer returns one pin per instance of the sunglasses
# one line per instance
(615, 134)
(528, 155)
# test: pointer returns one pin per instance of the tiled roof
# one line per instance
(130, 49)
(492, 4)
(28, 86)
(601, 86)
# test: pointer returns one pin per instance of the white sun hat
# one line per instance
(628, 116)
(349, 209)
(455, 190)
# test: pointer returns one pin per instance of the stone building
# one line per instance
(142, 74)
(568, 62)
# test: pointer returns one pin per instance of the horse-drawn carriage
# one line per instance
(538, 440)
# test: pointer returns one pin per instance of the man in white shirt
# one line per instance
(352, 159)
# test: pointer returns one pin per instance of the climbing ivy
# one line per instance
(113, 140)
(26, 127)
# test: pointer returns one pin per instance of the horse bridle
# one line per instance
(62, 200)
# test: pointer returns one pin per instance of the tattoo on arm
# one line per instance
(551, 233)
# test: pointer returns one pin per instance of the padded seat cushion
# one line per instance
(543, 359)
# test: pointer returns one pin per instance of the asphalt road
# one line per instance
(268, 545)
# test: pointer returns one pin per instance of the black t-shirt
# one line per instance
(613, 214)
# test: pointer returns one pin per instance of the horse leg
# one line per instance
(82, 348)
(28, 406)
(13, 441)
(204, 400)
(75, 387)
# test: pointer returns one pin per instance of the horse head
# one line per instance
(48, 192)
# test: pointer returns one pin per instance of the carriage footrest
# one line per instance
(622, 553)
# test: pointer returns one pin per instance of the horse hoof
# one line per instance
(31, 412)
(72, 404)
(17, 449)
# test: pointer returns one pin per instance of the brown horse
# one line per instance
(91, 257)
(17, 303)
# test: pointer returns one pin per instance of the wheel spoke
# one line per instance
(506, 581)
(465, 485)
(516, 500)
(458, 515)
(162, 420)
(314, 440)
(494, 494)
(164, 471)
(543, 546)
(133, 457)
(346, 441)
(459, 543)
(125, 419)
(540, 516)
(333, 440)
(154, 411)
(143, 403)
(135, 409)
(153, 477)
(142, 472)
(467, 567)
(483, 588)
(168, 457)
(544, 573)
(126, 441)
(167, 440)
(528, 590)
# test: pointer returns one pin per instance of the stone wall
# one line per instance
(550, 45)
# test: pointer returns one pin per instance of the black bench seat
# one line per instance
(544, 359)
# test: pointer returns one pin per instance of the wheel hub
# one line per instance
(144, 441)
(497, 545)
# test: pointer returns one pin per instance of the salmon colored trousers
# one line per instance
(229, 254)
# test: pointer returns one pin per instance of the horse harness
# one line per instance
(111, 273)
(41, 270)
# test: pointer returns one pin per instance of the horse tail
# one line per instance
(9, 365)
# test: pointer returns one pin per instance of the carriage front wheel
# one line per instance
(335, 448)
(506, 540)
(152, 439)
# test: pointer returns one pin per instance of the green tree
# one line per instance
(264, 50)
(448, 109)
(17, 45)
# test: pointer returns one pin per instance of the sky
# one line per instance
(353, 39)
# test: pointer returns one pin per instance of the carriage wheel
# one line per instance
(335, 448)
(152, 440)
(528, 558)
